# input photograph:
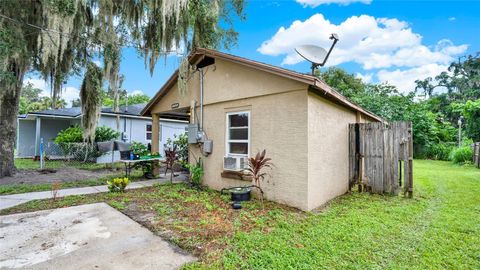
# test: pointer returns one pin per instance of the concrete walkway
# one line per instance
(7, 201)
(90, 236)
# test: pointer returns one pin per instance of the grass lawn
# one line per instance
(438, 229)
(28, 163)
(8, 189)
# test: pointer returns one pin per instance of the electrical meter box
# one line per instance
(207, 146)
(192, 131)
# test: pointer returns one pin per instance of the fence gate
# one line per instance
(381, 157)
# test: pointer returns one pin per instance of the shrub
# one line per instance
(75, 135)
(70, 135)
(181, 141)
(117, 184)
(139, 148)
(462, 154)
(105, 134)
(440, 151)
(196, 172)
(256, 168)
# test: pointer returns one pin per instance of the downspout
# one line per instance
(125, 119)
(124, 128)
(18, 135)
(201, 99)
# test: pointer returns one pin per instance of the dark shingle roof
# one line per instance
(71, 112)
(134, 109)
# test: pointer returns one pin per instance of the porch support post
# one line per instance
(156, 140)
(38, 127)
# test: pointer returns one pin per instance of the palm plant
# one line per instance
(257, 166)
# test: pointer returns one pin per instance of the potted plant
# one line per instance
(240, 194)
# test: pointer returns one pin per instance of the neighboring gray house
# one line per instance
(34, 126)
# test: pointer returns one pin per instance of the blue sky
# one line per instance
(394, 41)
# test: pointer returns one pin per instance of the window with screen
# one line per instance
(238, 134)
(149, 132)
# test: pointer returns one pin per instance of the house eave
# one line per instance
(310, 80)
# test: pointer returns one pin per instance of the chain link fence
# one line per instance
(77, 155)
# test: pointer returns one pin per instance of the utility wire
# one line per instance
(71, 36)
(34, 26)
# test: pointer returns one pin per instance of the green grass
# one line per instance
(28, 163)
(438, 229)
(23, 188)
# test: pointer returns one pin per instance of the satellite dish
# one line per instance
(312, 53)
(316, 55)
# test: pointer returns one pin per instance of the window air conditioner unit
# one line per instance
(235, 163)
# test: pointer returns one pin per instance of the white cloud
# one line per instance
(136, 92)
(69, 93)
(452, 19)
(37, 83)
(404, 80)
(366, 78)
(316, 3)
(386, 48)
(98, 63)
(368, 41)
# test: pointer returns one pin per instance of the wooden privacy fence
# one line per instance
(476, 154)
(381, 157)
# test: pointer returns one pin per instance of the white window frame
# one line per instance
(227, 135)
(146, 132)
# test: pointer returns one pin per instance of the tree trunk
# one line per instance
(10, 88)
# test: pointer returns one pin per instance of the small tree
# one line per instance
(257, 166)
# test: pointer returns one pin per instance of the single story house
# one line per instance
(240, 107)
(34, 126)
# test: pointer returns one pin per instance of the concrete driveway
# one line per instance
(93, 236)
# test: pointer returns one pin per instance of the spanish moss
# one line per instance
(90, 97)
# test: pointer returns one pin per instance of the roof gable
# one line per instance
(313, 82)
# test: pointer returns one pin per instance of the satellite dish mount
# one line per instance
(316, 55)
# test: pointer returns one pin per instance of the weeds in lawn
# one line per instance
(23, 188)
(55, 187)
(437, 229)
(118, 205)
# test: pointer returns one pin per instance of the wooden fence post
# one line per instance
(410, 159)
(476, 154)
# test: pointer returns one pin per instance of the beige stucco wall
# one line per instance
(278, 121)
(327, 149)
(228, 81)
(305, 135)
(279, 125)
(174, 96)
